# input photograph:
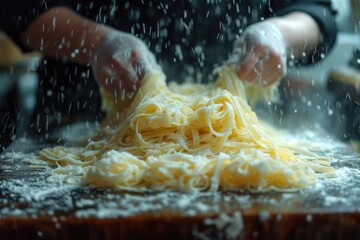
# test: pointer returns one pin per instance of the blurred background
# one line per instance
(325, 94)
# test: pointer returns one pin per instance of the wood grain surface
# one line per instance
(32, 208)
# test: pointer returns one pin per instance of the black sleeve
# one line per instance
(323, 14)
(17, 15)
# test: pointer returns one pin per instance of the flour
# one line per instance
(27, 193)
(228, 226)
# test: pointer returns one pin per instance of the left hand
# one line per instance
(120, 62)
(260, 54)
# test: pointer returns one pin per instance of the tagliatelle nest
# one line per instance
(186, 137)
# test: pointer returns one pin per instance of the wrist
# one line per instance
(282, 27)
(96, 38)
(300, 33)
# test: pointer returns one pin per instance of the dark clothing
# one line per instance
(198, 27)
(188, 38)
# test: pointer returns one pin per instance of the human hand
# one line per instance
(120, 62)
(260, 54)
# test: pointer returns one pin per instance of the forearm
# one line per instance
(300, 32)
(62, 33)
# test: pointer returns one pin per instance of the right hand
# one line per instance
(260, 54)
(120, 62)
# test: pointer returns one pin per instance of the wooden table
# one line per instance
(32, 208)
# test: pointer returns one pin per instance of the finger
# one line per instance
(247, 65)
(273, 68)
(270, 75)
(126, 76)
(276, 71)
(145, 64)
(256, 76)
(272, 79)
(139, 65)
(279, 60)
(263, 71)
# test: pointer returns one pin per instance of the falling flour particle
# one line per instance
(330, 200)
(232, 226)
(201, 207)
(39, 233)
(264, 216)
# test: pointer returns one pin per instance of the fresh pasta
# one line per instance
(186, 137)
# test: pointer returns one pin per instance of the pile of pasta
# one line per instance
(186, 137)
